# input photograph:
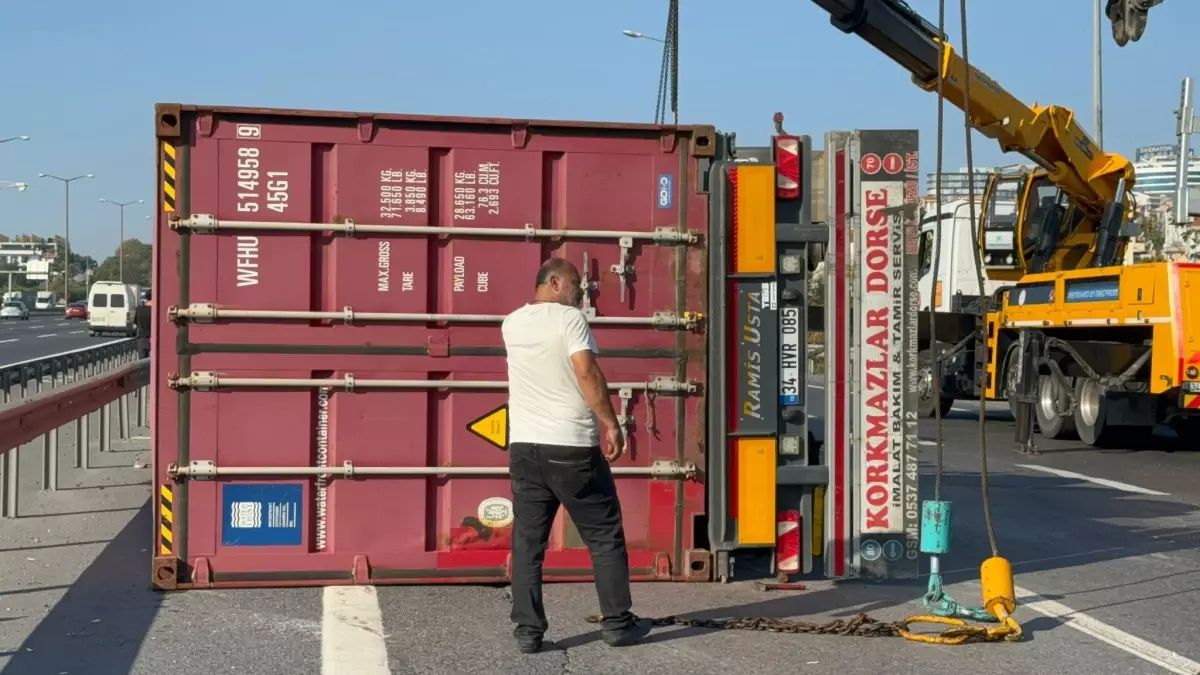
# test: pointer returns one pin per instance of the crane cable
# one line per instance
(996, 573)
(668, 76)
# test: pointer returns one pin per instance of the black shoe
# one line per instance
(629, 635)
(529, 644)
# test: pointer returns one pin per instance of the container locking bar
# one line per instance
(208, 470)
(205, 223)
(207, 313)
(207, 381)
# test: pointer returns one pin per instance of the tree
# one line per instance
(139, 258)
(1154, 233)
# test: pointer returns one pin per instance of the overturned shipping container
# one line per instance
(329, 375)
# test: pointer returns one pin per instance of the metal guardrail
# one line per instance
(57, 366)
(67, 387)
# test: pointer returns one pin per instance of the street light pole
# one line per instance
(67, 227)
(14, 138)
(121, 247)
(640, 36)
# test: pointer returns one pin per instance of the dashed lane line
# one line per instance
(1147, 651)
(1104, 482)
(352, 632)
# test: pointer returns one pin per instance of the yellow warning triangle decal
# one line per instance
(492, 427)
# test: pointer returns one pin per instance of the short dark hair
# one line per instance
(548, 269)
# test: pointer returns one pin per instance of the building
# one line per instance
(958, 184)
(1155, 170)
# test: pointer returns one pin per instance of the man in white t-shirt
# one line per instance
(557, 399)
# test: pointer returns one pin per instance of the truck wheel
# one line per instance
(1052, 400)
(1091, 419)
(927, 403)
(1187, 432)
(1010, 377)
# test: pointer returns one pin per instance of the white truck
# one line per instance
(45, 300)
(957, 285)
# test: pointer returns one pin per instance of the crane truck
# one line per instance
(1076, 341)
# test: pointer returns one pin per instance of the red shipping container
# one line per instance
(328, 369)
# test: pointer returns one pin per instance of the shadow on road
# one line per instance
(1042, 524)
(98, 627)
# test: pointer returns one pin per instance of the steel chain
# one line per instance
(860, 625)
(957, 632)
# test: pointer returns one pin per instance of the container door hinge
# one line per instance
(625, 417)
(623, 269)
(587, 286)
(670, 320)
(661, 470)
(195, 381)
(203, 223)
(670, 385)
(195, 313)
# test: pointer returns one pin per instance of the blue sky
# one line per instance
(82, 78)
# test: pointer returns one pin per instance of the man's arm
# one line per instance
(581, 347)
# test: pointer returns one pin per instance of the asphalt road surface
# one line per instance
(43, 335)
(1104, 547)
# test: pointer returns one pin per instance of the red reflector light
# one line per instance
(787, 167)
(787, 542)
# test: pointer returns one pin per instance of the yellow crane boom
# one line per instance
(1049, 136)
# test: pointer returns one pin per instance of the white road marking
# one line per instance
(48, 335)
(62, 324)
(352, 632)
(7, 341)
(1147, 651)
(1115, 485)
(76, 332)
(32, 327)
(927, 443)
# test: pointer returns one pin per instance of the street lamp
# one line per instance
(14, 138)
(640, 36)
(67, 227)
(121, 248)
(20, 187)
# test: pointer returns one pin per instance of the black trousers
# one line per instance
(543, 477)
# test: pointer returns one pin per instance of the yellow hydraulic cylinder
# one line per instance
(999, 594)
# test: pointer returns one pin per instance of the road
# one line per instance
(1104, 546)
(42, 335)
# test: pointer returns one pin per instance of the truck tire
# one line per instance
(927, 406)
(1009, 376)
(1051, 400)
(1091, 419)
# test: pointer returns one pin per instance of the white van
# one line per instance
(111, 305)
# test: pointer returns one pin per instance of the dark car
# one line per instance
(77, 310)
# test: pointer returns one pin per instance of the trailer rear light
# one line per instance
(787, 167)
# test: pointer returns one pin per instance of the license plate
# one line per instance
(790, 375)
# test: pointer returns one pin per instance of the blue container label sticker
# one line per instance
(665, 191)
(262, 514)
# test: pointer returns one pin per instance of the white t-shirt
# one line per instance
(545, 404)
